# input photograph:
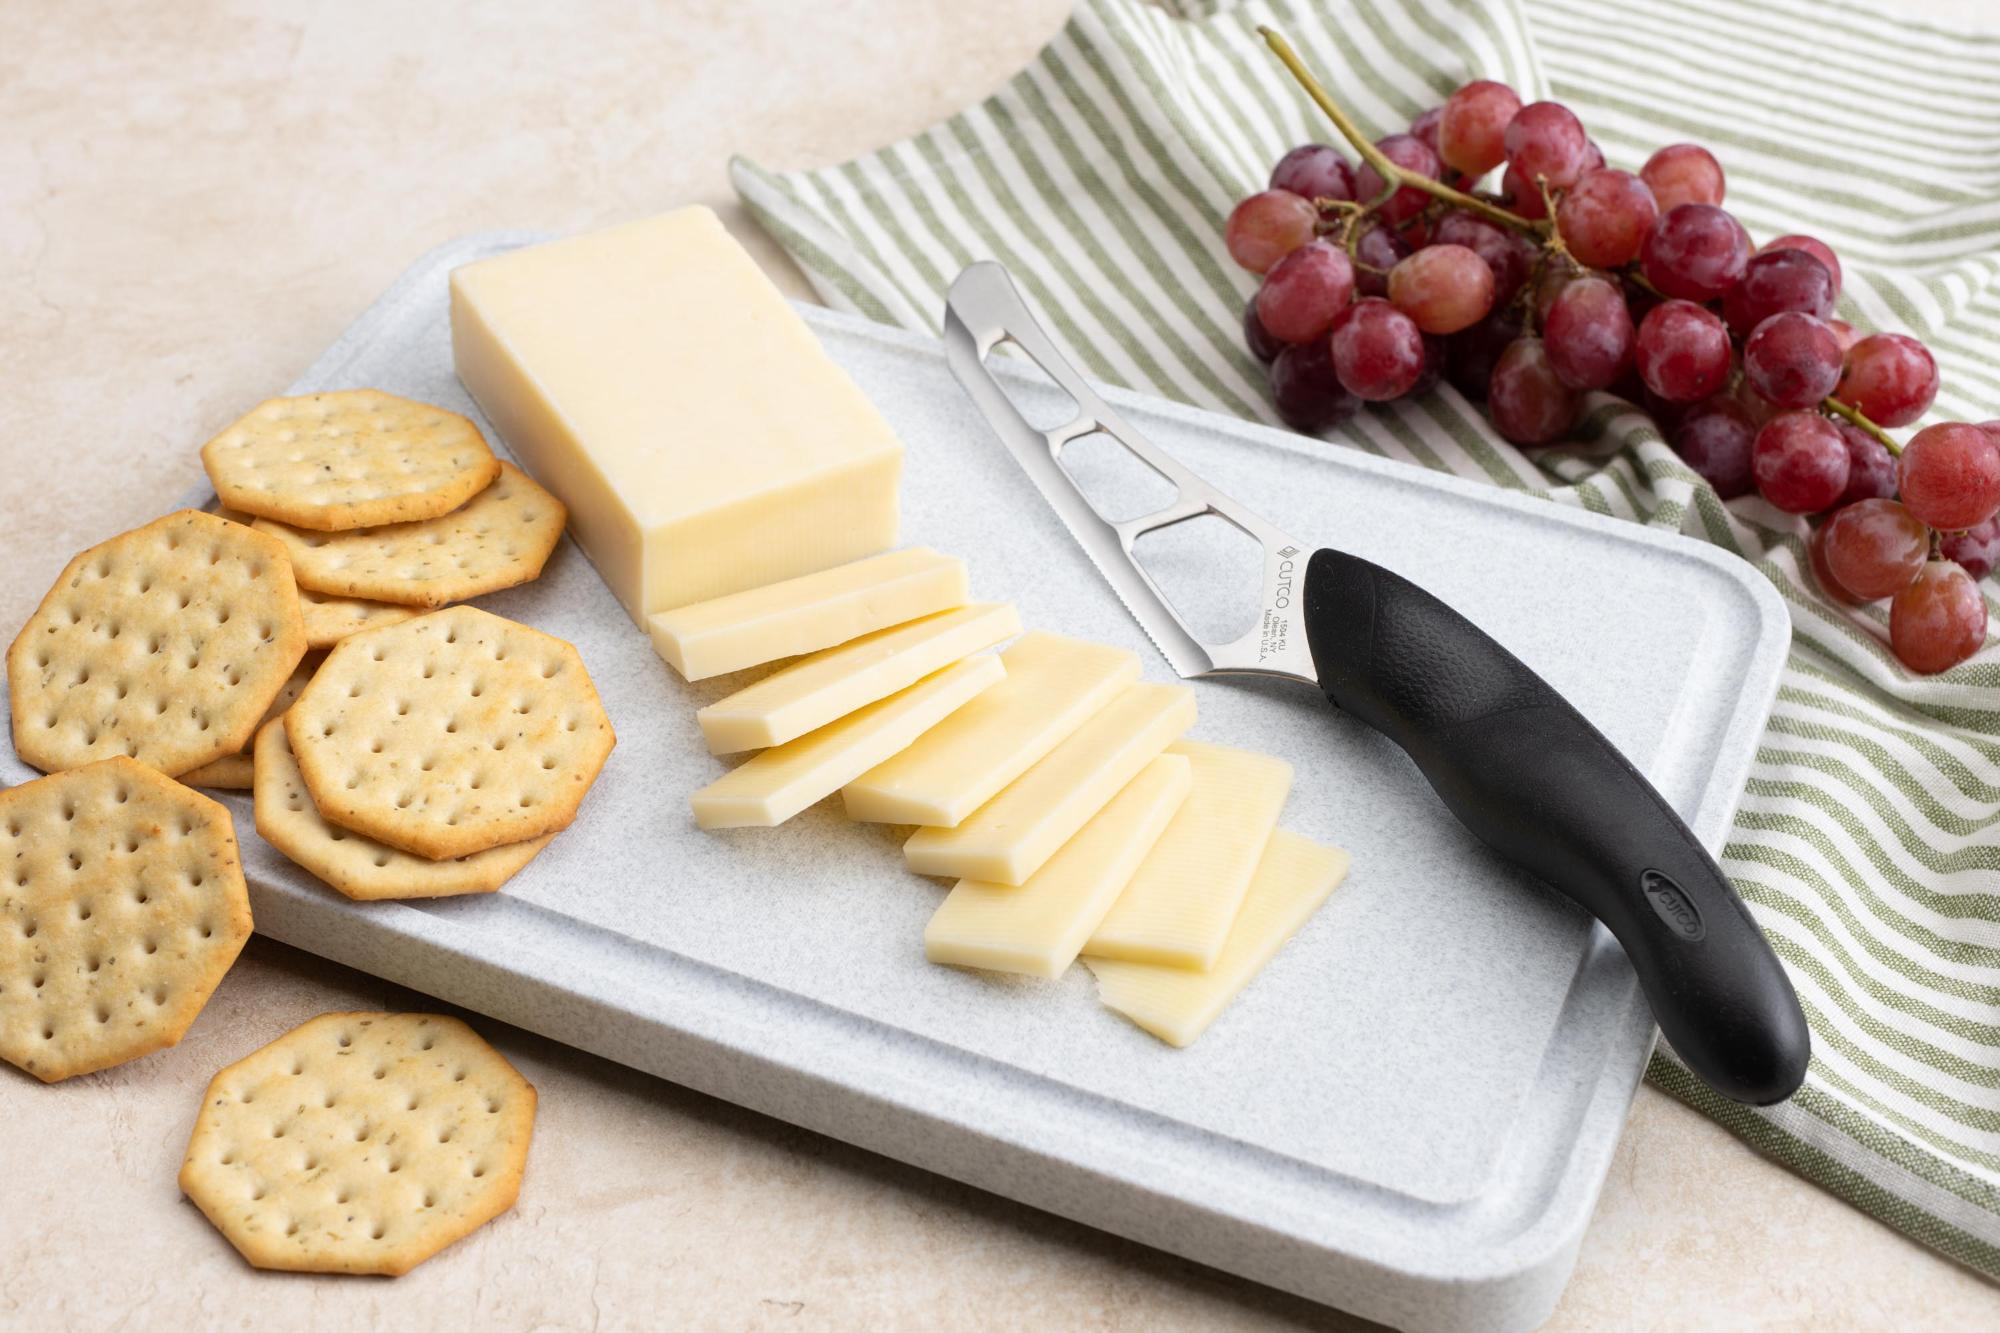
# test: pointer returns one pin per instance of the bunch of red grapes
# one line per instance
(1575, 276)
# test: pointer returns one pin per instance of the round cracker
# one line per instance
(451, 733)
(121, 906)
(164, 644)
(360, 1143)
(349, 459)
(501, 538)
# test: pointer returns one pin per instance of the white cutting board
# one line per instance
(1409, 1114)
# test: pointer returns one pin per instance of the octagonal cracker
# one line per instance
(451, 733)
(349, 459)
(164, 644)
(502, 537)
(330, 618)
(121, 906)
(360, 1143)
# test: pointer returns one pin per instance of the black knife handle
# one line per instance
(1535, 781)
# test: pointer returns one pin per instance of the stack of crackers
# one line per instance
(293, 644)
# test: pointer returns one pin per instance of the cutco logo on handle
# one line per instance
(1672, 904)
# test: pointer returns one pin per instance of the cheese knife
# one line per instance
(1511, 758)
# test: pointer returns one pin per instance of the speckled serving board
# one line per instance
(1408, 1115)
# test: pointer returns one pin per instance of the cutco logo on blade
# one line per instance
(1281, 590)
(1671, 904)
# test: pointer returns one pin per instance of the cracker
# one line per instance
(232, 772)
(330, 618)
(358, 866)
(503, 537)
(164, 644)
(121, 906)
(360, 1143)
(451, 733)
(350, 459)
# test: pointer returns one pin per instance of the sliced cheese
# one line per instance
(1052, 685)
(1011, 836)
(771, 787)
(655, 380)
(808, 613)
(1038, 927)
(815, 690)
(1175, 1004)
(1179, 906)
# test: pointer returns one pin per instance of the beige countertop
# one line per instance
(194, 199)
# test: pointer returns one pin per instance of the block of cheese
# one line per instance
(772, 786)
(808, 613)
(1038, 927)
(654, 379)
(1011, 836)
(1179, 906)
(815, 690)
(1177, 1004)
(1052, 685)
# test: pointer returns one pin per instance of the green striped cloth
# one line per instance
(1865, 841)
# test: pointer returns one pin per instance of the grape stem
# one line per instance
(1854, 416)
(1393, 176)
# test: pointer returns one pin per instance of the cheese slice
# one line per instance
(1175, 1004)
(815, 690)
(1179, 906)
(1038, 927)
(805, 614)
(771, 787)
(1052, 685)
(655, 380)
(1011, 836)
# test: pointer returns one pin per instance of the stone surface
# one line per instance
(194, 200)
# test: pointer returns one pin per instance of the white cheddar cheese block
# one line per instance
(771, 787)
(817, 689)
(1052, 685)
(655, 380)
(1179, 906)
(1038, 927)
(1014, 834)
(808, 613)
(1176, 1004)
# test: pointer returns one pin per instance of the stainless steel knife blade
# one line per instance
(983, 311)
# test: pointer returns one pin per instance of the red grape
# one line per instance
(1509, 254)
(1522, 199)
(1890, 378)
(1847, 333)
(1816, 557)
(1774, 283)
(1412, 155)
(1305, 290)
(1545, 139)
(1799, 462)
(1588, 333)
(1696, 252)
(1268, 226)
(1951, 476)
(1976, 550)
(1871, 469)
(1683, 173)
(1874, 548)
(1378, 352)
(1714, 438)
(1306, 390)
(1549, 284)
(1435, 357)
(1593, 157)
(1792, 360)
(1472, 132)
(1683, 352)
(1425, 127)
(1314, 171)
(1472, 354)
(1939, 620)
(1760, 408)
(1528, 403)
(1605, 217)
(1376, 252)
(1258, 338)
(1817, 249)
(1444, 288)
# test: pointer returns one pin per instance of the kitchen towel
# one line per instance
(1868, 838)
